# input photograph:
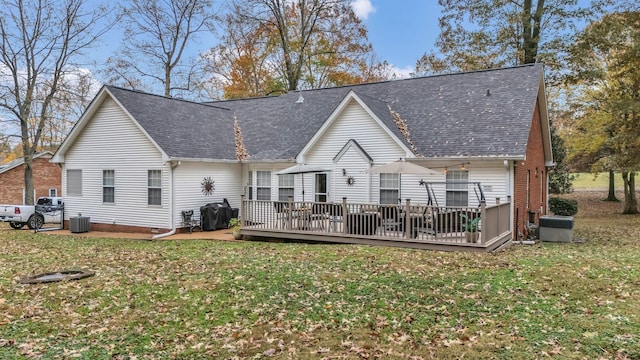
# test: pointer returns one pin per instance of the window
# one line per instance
(74, 182)
(321, 188)
(154, 183)
(263, 185)
(457, 188)
(108, 186)
(250, 184)
(53, 192)
(285, 187)
(389, 188)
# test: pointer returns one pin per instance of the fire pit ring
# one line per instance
(55, 276)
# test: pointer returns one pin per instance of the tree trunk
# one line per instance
(28, 180)
(612, 188)
(630, 200)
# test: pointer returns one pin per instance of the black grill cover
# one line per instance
(214, 216)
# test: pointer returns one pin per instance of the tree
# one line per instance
(39, 41)
(157, 33)
(482, 34)
(240, 65)
(274, 46)
(560, 178)
(605, 59)
(477, 34)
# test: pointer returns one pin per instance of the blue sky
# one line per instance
(400, 30)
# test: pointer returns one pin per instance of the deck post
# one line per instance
(344, 215)
(483, 217)
(407, 220)
(243, 209)
(289, 213)
(511, 219)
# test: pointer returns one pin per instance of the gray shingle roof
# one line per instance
(447, 115)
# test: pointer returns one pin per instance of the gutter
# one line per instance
(172, 166)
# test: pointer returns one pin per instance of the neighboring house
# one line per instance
(135, 160)
(47, 179)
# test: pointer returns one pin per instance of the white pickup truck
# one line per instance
(47, 210)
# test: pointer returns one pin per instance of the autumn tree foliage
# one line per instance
(480, 34)
(483, 34)
(272, 46)
(605, 63)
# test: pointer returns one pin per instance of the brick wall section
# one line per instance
(46, 176)
(534, 165)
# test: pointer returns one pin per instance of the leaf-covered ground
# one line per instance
(212, 299)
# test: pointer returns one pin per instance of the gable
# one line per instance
(353, 122)
(111, 131)
(353, 146)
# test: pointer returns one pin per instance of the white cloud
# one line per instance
(401, 73)
(362, 8)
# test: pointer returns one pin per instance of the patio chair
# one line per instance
(189, 221)
(445, 221)
(281, 208)
(320, 213)
(335, 214)
(390, 217)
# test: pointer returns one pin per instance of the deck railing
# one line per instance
(407, 222)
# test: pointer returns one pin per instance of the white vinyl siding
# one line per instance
(354, 165)
(110, 140)
(188, 191)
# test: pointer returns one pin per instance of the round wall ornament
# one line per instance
(208, 186)
(351, 181)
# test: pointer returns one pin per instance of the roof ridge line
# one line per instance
(166, 97)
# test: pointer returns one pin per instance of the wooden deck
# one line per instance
(412, 226)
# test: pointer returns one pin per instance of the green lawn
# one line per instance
(594, 181)
(210, 299)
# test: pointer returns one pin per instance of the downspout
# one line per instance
(172, 165)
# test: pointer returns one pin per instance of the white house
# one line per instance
(136, 160)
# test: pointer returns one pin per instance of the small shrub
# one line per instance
(234, 223)
(563, 207)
